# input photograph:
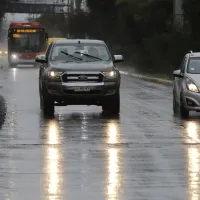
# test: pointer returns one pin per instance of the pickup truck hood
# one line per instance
(84, 66)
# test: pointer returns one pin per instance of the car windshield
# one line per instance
(194, 66)
(80, 53)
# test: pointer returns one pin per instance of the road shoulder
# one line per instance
(158, 78)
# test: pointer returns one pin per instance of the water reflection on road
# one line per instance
(193, 154)
(113, 160)
(52, 160)
(53, 139)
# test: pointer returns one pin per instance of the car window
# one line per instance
(99, 51)
(194, 66)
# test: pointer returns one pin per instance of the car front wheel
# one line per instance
(175, 107)
(112, 104)
(183, 112)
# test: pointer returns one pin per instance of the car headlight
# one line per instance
(191, 86)
(6, 52)
(0, 52)
(54, 74)
(110, 74)
(14, 56)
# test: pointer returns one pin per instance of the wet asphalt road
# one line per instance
(145, 154)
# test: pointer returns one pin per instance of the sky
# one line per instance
(13, 18)
(16, 17)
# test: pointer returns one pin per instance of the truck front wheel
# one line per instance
(112, 104)
(47, 106)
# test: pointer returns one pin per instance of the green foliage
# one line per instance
(146, 27)
(105, 6)
(192, 16)
(59, 24)
(1, 18)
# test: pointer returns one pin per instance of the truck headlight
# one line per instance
(191, 86)
(54, 74)
(110, 74)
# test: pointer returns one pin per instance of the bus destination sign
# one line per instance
(26, 30)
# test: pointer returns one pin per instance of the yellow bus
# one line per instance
(50, 40)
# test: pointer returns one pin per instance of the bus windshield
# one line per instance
(28, 42)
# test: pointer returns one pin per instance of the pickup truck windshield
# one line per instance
(83, 52)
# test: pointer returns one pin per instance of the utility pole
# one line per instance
(178, 12)
(78, 4)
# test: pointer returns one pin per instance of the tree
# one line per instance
(59, 28)
(103, 15)
(1, 17)
(192, 16)
(78, 4)
(150, 16)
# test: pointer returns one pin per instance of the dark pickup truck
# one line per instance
(79, 72)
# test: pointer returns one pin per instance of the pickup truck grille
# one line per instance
(82, 77)
(85, 93)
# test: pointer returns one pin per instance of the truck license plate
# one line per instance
(81, 89)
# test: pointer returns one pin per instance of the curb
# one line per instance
(148, 78)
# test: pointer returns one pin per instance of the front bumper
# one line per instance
(22, 61)
(191, 101)
(97, 92)
(3, 54)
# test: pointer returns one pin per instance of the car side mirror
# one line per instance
(118, 58)
(41, 59)
(177, 73)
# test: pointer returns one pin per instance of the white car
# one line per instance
(186, 90)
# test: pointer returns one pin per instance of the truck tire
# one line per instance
(46, 104)
(112, 104)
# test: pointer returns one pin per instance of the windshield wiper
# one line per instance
(85, 54)
(74, 57)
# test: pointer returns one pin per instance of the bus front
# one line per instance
(25, 42)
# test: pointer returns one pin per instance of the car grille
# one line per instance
(71, 92)
(82, 77)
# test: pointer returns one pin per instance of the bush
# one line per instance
(162, 53)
